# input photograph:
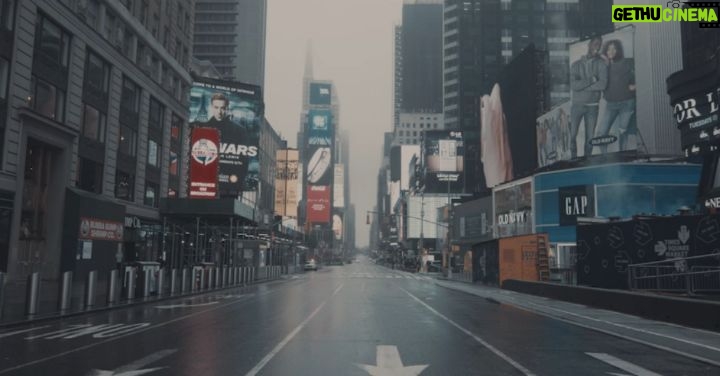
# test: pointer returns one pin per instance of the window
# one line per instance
(4, 78)
(93, 125)
(130, 100)
(173, 168)
(175, 128)
(90, 175)
(7, 12)
(153, 153)
(156, 113)
(97, 73)
(124, 185)
(128, 141)
(47, 99)
(52, 43)
(151, 191)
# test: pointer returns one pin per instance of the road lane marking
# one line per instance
(623, 365)
(162, 324)
(133, 369)
(267, 358)
(8, 334)
(186, 305)
(629, 327)
(389, 363)
(487, 345)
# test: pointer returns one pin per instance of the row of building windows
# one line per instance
(421, 125)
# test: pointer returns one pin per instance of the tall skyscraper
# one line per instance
(397, 75)
(421, 56)
(231, 34)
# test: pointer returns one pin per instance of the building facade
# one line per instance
(421, 56)
(411, 126)
(231, 34)
(94, 113)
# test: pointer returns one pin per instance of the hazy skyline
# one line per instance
(352, 43)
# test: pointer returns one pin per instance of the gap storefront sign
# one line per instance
(513, 208)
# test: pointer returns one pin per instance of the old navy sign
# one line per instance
(574, 202)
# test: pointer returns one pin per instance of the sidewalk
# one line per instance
(689, 342)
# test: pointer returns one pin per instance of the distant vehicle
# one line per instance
(311, 265)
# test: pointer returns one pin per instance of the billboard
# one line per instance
(698, 118)
(235, 110)
(513, 209)
(204, 162)
(318, 204)
(605, 250)
(600, 117)
(286, 182)
(320, 128)
(320, 93)
(339, 186)
(319, 166)
(443, 153)
(422, 216)
(507, 119)
(337, 225)
(395, 162)
(473, 220)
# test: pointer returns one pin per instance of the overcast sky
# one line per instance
(353, 46)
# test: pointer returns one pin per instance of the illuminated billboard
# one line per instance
(236, 111)
(339, 186)
(204, 153)
(443, 153)
(320, 93)
(318, 204)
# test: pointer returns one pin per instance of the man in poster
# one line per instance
(588, 78)
(236, 146)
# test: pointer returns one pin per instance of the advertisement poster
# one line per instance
(236, 111)
(443, 152)
(601, 114)
(204, 163)
(337, 226)
(320, 93)
(286, 182)
(319, 166)
(320, 128)
(605, 250)
(339, 186)
(513, 209)
(318, 204)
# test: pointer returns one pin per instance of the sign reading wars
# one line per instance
(100, 229)
(576, 201)
(605, 250)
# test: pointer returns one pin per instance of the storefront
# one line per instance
(613, 190)
(142, 239)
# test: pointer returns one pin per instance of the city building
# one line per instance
(94, 111)
(397, 75)
(231, 34)
(421, 56)
(412, 126)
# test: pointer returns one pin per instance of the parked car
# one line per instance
(311, 265)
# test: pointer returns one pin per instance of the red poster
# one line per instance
(100, 229)
(204, 163)
(318, 204)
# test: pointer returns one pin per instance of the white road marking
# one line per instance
(623, 365)
(164, 323)
(631, 328)
(490, 347)
(133, 369)
(8, 334)
(185, 305)
(389, 363)
(266, 359)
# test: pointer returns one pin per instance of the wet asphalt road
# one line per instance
(358, 319)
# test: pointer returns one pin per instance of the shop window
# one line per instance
(90, 175)
(128, 141)
(153, 153)
(93, 126)
(124, 185)
(47, 99)
(151, 194)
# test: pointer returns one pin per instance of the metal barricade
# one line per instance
(66, 291)
(90, 289)
(2, 292)
(112, 295)
(685, 274)
(33, 294)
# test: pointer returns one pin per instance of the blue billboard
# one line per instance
(320, 94)
(320, 128)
